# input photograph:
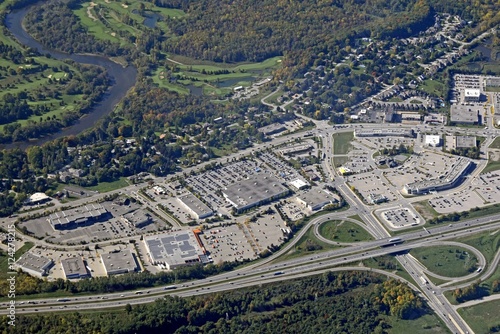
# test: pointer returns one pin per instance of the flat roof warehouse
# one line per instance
(254, 191)
(174, 249)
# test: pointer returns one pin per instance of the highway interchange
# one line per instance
(264, 271)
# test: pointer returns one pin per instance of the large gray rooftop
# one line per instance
(80, 215)
(174, 249)
(119, 262)
(316, 199)
(254, 191)
(194, 204)
(464, 114)
(34, 263)
(74, 267)
(451, 177)
(465, 141)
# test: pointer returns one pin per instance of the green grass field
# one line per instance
(450, 261)
(342, 142)
(104, 187)
(344, 231)
(482, 317)
(109, 20)
(425, 209)
(307, 245)
(424, 324)
(496, 143)
(433, 87)
(491, 166)
(39, 83)
(214, 79)
(487, 243)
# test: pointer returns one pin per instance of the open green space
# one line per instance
(433, 87)
(491, 166)
(339, 161)
(384, 262)
(342, 142)
(42, 83)
(484, 211)
(273, 97)
(488, 243)
(119, 21)
(214, 80)
(4, 260)
(104, 187)
(308, 244)
(450, 261)
(495, 143)
(425, 209)
(482, 318)
(395, 99)
(424, 324)
(344, 231)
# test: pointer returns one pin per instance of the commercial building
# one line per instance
(435, 119)
(315, 199)
(173, 250)
(196, 208)
(433, 140)
(472, 95)
(345, 171)
(451, 179)
(465, 141)
(83, 215)
(74, 268)
(296, 150)
(384, 133)
(158, 190)
(35, 265)
(137, 218)
(410, 117)
(272, 129)
(460, 114)
(299, 184)
(255, 191)
(119, 262)
(376, 198)
(37, 198)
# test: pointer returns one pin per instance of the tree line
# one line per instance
(350, 302)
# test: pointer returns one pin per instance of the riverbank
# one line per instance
(122, 78)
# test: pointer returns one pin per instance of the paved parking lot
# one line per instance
(113, 228)
(292, 209)
(246, 238)
(484, 190)
(400, 217)
(228, 244)
(370, 183)
(425, 166)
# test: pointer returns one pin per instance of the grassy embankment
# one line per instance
(341, 145)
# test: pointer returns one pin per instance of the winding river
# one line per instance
(122, 79)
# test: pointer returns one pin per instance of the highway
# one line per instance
(263, 271)
(291, 269)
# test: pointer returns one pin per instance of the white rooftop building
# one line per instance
(472, 95)
(299, 184)
(433, 140)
